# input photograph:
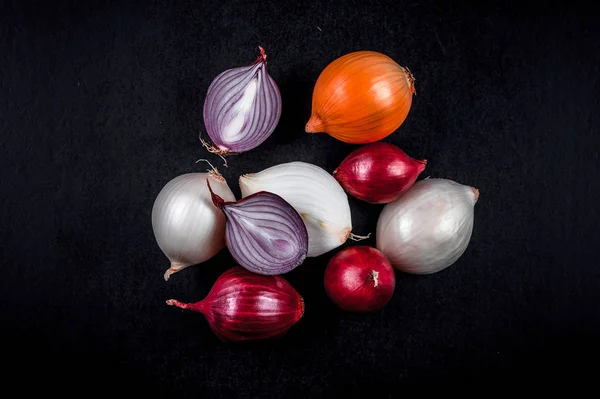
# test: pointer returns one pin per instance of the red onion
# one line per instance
(242, 107)
(378, 173)
(263, 232)
(246, 306)
(360, 279)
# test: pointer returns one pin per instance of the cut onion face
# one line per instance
(242, 108)
(264, 233)
(315, 194)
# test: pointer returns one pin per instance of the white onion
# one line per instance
(429, 227)
(316, 196)
(188, 228)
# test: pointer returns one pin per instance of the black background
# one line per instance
(102, 105)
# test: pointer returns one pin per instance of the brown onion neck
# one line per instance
(411, 80)
(262, 57)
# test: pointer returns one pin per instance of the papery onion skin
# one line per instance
(378, 173)
(264, 233)
(244, 306)
(242, 107)
(429, 227)
(315, 194)
(360, 279)
(188, 228)
(361, 98)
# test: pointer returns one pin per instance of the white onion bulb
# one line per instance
(429, 227)
(188, 228)
(316, 196)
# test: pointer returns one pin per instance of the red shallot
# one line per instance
(378, 173)
(246, 306)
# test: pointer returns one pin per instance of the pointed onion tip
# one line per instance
(423, 164)
(475, 193)
(194, 307)
(301, 308)
(243, 181)
(410, 80)
(176, 303)
(262, 57)
(175, 267)
(314, 125)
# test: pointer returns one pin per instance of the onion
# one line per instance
(242, 107)
(360, 279)
(187, 226)
(315, 194)
(378, 173)
(264, 233)
(361, 98)
(429, 227)
(245, 306)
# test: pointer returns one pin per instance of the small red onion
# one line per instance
(242, 107)
(378, 173)
(264, 233)
(360, 279)
(246, 306)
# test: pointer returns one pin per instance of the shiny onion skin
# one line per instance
(360, 279)
(188, 228)
(378, 173)
(242, 107)
(243, 306)
(316, 196)
(429, 227)
(264, 233)
(361, 98)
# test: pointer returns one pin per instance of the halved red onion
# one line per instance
(242, 107)
(263, 232)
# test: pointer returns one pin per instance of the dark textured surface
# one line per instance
(101, 106)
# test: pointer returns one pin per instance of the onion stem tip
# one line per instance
(176, 303)
(356, 237)
(263, 54)
(314, 125)
(302, 308)
(475, 193)
(168, 273)
(374, 277)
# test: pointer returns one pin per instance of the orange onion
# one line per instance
(361, 98)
